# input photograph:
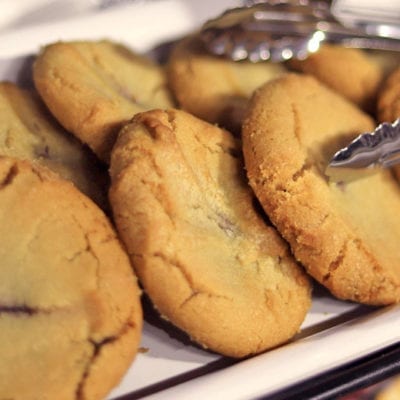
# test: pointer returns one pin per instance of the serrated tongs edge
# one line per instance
(367, 153)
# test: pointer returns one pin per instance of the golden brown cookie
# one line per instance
(28, 131)
(212, 88)
(391, 391)
(389, 98)
(70, 313)
(345, 234)
(92, 88)
(387, 60)
(350, 72)
(209, 262)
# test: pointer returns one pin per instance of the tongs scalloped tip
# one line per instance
(366, 154)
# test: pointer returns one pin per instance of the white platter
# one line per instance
(170, 367)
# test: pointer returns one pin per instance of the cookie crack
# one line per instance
(220, 148)
(191, 297)
(232, 151)
(79, 395)
(87, 249)
(296, 122)
(301, 172)
(206, 145)
(97, 347)
(176, 264)
(198, 293)
(157, 194)
(9, 177)
(78, 254)
(20, 310)
(337, 262)
(224, 223)
(195, 292)
(28, 311)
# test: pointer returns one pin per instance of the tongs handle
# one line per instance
(278, 30)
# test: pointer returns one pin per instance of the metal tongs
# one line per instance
(367, 153)
(278, 30)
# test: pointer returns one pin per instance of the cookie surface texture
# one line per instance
(205, 257)
(212, 88)
(389, 98)
(70, 313)
(345, 234)
(28, 131)
(93, 87)
(350, 72)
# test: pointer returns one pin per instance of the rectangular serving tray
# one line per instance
(337, 337)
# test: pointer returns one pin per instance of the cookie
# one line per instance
(212, 88)
(391, 391)
(28, 131)
(388, 104)
(350, 72)
(387, 60)
(92, 88)
(70, 313)
(204, 255)
(345, 234)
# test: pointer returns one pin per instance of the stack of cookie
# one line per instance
(344, 235)
(203, 251)
(217, 202)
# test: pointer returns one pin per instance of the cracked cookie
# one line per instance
(350, 72)
(92, 88)
(203, 253)
(345, 234)
(28, 131)
(70, 312)
(389, 98)
(212, 88)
